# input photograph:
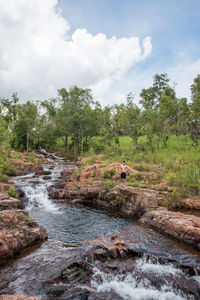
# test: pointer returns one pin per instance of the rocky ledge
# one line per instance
(181, 226)
(190, 203)
(17, 229)
(16, 297)
(128, 201)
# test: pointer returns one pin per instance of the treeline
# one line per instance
(74, 118)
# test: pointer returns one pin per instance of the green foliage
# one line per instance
(97, 144)
(109, 185)
(3, 178)
(12, 192)
(28, 220)
(108, 173)
(30, 157)
(9, 169)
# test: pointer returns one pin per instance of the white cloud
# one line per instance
(183, 74)
(38, 55)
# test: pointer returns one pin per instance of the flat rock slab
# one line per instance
(16, 297)
(183, 227)
(190, 203)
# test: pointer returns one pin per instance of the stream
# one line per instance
(73, 224)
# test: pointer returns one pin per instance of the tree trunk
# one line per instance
(27, 140)
(66, 144)
(76, 148)
(82, 144)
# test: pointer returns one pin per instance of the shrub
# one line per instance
(29, 221)
(109, 185)
(30, 157)
(131, 178)
(3, 178)
(12, 192)
(142, 167)
(9, 169)
(108, 173)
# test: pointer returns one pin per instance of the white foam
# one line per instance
(129, 287)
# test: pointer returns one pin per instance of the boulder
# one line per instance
(181, 226)
(7, 202)
(17, 229)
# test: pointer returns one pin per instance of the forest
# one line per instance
(161, 129)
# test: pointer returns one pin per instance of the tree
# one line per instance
(195, 111)
(150, 97)
(74, 115)
(24, 125)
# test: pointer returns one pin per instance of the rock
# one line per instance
(7, 202)
(114, 236)
(47, 177)
(129, 201)
(190, 203)
(39, 171)
(17, 297)
(67, 172)
(180, 226)
(4, 187)
(17, 229)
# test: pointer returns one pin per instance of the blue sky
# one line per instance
(173, 25)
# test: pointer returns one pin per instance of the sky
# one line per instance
(111, 46)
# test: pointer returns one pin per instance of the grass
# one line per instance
(178, 165)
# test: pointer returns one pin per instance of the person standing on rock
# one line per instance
(123, 171)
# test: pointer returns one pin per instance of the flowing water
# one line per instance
(72, 224)
(68, 224)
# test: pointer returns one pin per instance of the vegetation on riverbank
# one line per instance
(161, 135)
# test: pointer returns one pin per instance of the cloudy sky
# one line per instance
(111, 46)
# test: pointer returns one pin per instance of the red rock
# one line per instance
(130, 201)
(67, 172)
(17, 229)
(17, 297)
(114, 236)
(190, 203)
(178, 225)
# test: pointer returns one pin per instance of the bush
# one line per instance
(30, 157)
(28, 221)
(9, 169)
(3, 178)
(12, 192)
(109, 185)
(97, 144)
(108, 173)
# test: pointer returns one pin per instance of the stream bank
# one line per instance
(130, 261)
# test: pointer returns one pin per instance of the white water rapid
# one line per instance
(148, 281)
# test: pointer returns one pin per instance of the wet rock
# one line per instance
(181, 226)
(42, 172)
(67, 172)
(17, 297)
(51, 167)
(17, 229)
(47, 177)
(129, 201)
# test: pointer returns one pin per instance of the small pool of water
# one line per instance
(72, 224)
